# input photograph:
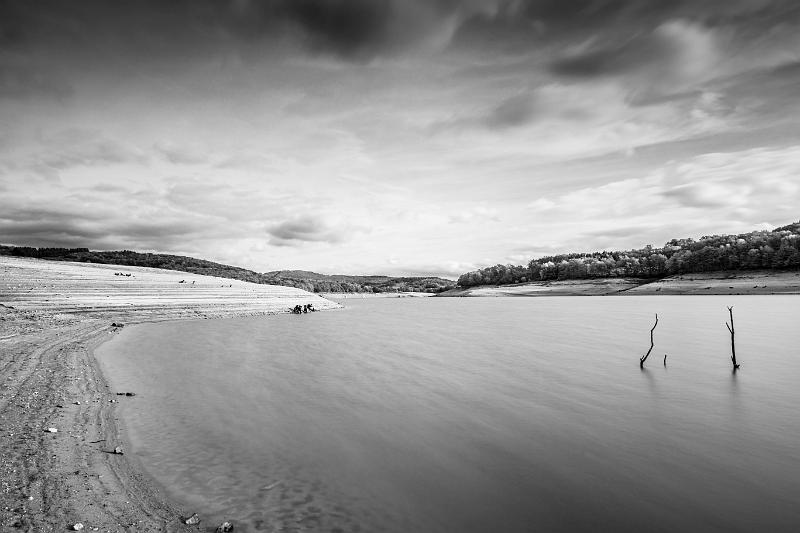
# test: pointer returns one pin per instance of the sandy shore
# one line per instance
(367, 295)
(52, 316)
(733, 282)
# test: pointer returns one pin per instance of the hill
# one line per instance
(778, 249)
(138, 293)
(301, 279)
(345, 283)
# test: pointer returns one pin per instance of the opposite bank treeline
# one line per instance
(777, 249)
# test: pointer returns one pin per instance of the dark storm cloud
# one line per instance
(180, 155)
(97, 153)
(355, 29)
(31, 213)
(304, 229)
(52, 225)
(637, 37)
(352, 29)
(590, 14)
(45, 225)
(636, 15)
(611, 27)
(512, 112)
(614, 234)
(695, 195)
(607, 61)
(664, 52)
(348, 28)
(776, 88)
(515, 111)
(69, 149)
(19, 81)
(66, 233)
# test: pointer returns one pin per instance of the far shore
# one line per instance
(365, 295)
(58, 464)
(745, 282)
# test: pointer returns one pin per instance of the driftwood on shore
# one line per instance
(645, 356)
(300, 309)
(733, 340)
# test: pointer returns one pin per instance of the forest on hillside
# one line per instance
(775, 249)
(310, 281)
(314, 282)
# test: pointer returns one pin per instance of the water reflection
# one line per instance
(472, 415)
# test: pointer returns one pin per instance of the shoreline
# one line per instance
(51, 321)
(54, 480)
(747, 282)
(372, 295)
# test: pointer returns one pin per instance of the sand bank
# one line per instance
(366, 295)
(732, 282)
(52, 315)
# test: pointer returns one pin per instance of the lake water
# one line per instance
(474, 415)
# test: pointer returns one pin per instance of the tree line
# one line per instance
(775, 249)
(313, 282)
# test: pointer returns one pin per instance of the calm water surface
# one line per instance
(474, 415)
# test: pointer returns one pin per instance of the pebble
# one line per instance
(118, 450)
(52, 430)
(224, 527)
(192, 520)
(77, 527)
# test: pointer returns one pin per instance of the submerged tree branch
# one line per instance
(733, 340)
(644, 357)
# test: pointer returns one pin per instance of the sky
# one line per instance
(400, 137)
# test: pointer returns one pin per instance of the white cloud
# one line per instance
(709, 193)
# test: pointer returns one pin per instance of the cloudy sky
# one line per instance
(395, 136)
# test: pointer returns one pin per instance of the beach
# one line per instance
(741, 282)
(58, 466)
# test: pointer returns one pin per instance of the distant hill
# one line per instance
(777, 249)
(310, 281)
(345, 283)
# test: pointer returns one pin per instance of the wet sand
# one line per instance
(52, 315)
